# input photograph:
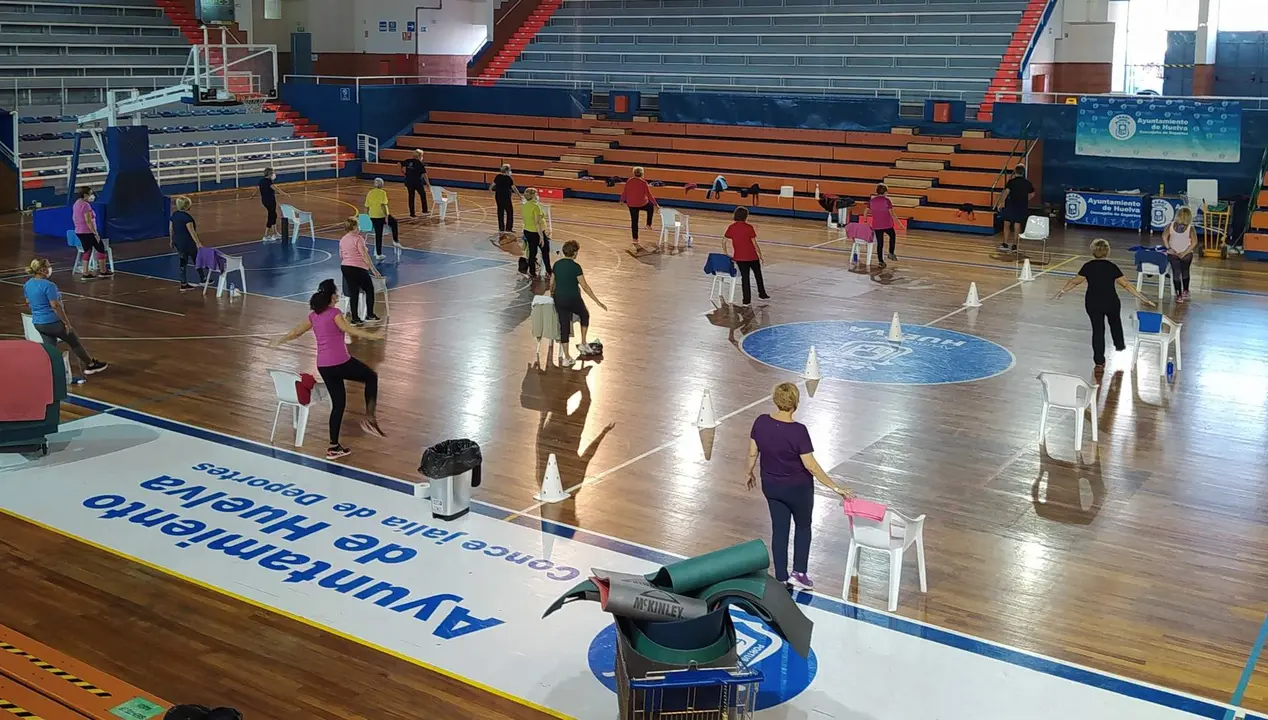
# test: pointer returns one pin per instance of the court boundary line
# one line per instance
(104, 300)
(1249, 669)
(1084, 675)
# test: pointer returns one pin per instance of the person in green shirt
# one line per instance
(566, 285)
(535, 232)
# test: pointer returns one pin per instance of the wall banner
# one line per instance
(1159, 128)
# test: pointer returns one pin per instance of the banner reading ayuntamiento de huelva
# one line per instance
(1160, 128)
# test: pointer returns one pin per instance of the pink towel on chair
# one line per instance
(859, 231)
(864, 509)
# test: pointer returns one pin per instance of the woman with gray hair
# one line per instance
(376, 208)
(502, 187)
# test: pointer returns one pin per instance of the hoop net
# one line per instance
(253, 102)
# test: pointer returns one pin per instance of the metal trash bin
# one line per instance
(453, 467)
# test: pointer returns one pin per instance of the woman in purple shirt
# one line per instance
(789, 471)
(335, 364)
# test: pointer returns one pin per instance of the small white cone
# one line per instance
(972, 300)
(1026, 274)
(705, 419)
(895, 330)
(812, 366)
(552, 486)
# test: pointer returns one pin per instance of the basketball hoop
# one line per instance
(253, 102)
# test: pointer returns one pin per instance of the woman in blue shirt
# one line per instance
(45, 301)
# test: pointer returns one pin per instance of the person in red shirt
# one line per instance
(637, 195)
(741, 244)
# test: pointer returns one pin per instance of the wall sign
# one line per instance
(409, 25)
(383, 26)
(1163, 129)
(391, 26)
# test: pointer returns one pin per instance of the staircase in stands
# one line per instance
(1255, 241)
(510, 52)
(1008, 75)
(184, 20)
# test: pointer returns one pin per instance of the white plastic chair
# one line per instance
(1166, 336)
(29, 331)
(893, 534)
(1068, 392)
(720, 278)
(681, 224)
(233, 263)
(380, 291)
(443, 199)
(1036, 230)
(297, 218)
(284, 386)
(1161, 274)
(862, 243)
(73, 240)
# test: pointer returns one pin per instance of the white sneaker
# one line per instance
(565, 361)
(380, 257)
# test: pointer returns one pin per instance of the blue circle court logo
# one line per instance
(860, 352)
(784, 673)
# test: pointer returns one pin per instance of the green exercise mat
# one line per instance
(687, 576)
(761, 595)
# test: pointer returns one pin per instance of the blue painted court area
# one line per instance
(860, 352)
(293, 270)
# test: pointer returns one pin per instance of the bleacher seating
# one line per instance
(59, 58)
(930, 178)
(911, 49)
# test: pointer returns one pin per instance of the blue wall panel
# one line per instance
(820, 113)
(332, 107)
(1062, 168)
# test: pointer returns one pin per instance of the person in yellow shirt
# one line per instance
(535, 232)
(376, 208)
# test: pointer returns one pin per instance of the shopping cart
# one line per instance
(694, 694)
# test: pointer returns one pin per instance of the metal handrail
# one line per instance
(227, 162)
(1254, 194)
(1034, 37)
(1001, 96)
(1025, 145)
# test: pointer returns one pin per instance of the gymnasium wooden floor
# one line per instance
(1147, 556)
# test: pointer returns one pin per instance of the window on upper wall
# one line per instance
(1243, 15)
(1140, 39)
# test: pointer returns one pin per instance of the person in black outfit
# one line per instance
(502, 187)
(1014, 207)
(1101, 302)
(416, 181)
(268, 198)
(184, 233)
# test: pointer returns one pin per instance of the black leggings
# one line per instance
(1180, 271)
(754, 267)
(377, 223)
(793, 502)
(566, 309)
(187, 258)
(334, 377)
(506, 213)
(536, 241)
(272, 210)
(421, 190)
(634, 211)
(88, 242)
(1099, 315)
(880, 240)
(54, 331)
(355, 281)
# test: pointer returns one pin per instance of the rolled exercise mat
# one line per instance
(687, 576)
(766, 598)
(635, 597)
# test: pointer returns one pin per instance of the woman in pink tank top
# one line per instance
(335, 364)
(881, 209)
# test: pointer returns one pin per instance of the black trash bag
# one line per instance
(201, 712)
(452, 457)
(187, 712)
